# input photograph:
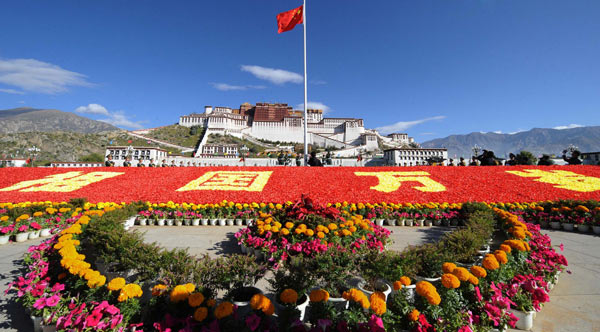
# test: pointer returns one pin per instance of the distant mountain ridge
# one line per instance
(537, 141)
(25, 119)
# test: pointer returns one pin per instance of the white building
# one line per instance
(120, 153)
(414, 157)
(75, 164)
(401, 138)
(13, 162)
(220, 150)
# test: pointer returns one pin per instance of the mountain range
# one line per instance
(25, 119)
(537, 141)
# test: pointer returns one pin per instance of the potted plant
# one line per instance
(333, 271)
(22, 232)
(239, 275)
(290, 284)
(6, 230)
(371, 265)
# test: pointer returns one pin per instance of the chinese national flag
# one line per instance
(286, 21)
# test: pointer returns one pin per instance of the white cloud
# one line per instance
(517, 131)
(571, 126)
(315, 105)
(426, 134)
(37, 76)
(403, 125)
(229, 87)
(117, 118)
(275, 76)
(498, 132)
(12, 91)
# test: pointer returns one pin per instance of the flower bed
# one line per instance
(281, 184)
(69, 284)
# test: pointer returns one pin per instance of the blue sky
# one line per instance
(430, 67)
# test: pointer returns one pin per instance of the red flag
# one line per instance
(286, 21)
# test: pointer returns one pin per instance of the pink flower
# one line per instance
(93, 319)
(23, 228)
(40, 303)
(116, 320)
(58, 287)
(478, 294)
(562, 247)
(53, 300)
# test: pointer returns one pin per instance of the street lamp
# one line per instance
(244, 150)
(476, 149)
(33, 152)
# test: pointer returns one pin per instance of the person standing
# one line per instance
(140, 163)
(109, 161)
(462, 162)
(512, 160)
(314, 161)
(574, 160)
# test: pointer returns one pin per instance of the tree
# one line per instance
(526, 158)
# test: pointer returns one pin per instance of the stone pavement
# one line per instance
(574, 301)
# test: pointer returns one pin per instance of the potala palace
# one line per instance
(281, 123)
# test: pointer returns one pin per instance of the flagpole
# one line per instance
(305, 90)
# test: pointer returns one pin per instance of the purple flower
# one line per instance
(252, 322)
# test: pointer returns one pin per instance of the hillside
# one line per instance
(178, 135)
(19, 120)
(65, 146)
(537, 141)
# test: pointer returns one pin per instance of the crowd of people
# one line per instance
(487, 158)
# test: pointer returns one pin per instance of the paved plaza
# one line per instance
(574, 305)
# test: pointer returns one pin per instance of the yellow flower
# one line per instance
(461, 273)
(319, 295)
(116, 284)
(223, 310)
(158, 290)
(414, 315)
(448, 267)
(289, 296)
(450, 281)
(200, 314)
(478, 271)
(195, 300)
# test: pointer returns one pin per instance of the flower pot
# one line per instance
(142, 222)
(160, 222)
(22, 237)
(169, 222)
(204, 222)
(437, 222)
(222, 222)
(187, 222)
(596, 229)
(339, 303)
(555, 224)
(34, 234)
(379, 222)
(213, 222)
(301, 305)
(37, 323)
(241, 298)
(244, 249)
(525, 321)
(45, 232)
(568, 227)
(429, 279)
(239, 222)
(4, 239)
(260, 256)
(400, 222)
(379, 284)
(249, 222)
(419, 222)
(428, 223)
(410, 291)
(454, 222)
(196, 222)
(484, 250)
(230, 222)
(544, 224)
(408, 222)
(178, 222)
(583, 228)
(391, 222)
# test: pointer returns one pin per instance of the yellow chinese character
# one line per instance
(230, 180)
(64, 182)
(391, 181)
(562, 179)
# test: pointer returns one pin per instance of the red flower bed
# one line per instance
(328, 184)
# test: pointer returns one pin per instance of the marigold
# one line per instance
(288, 296)
(158, 290)
(116, 284)
(378, 305)
(490, 262)
(200, 314)
(259, 302)
(414, 315)
(473, 280)
(404, 280)
(378, 295)
(223, 310)
(450, 281)
(478, 271)
(501, 256)
(289, 225)
(448, 267)
(270, 310)
(195, 300)
(211, 303)
(461, 273)
(179, 293)
(505, 248)
(319, 295)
